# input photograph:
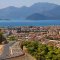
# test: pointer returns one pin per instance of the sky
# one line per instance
(19, 3)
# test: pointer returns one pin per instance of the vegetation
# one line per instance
(42, 52)
(11, 38)
(2, 39)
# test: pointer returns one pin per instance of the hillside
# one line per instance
(37, 16)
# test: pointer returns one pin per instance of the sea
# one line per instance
(17, 22)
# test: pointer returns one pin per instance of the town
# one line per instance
(44, 34)
(49, 35)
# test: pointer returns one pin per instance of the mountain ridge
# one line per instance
(45, 9)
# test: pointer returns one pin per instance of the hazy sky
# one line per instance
(19, 3)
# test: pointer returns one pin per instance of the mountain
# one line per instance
(37, 16)
(42, 7)
(48, 10)
(55, 12)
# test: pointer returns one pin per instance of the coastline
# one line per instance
(17, 23)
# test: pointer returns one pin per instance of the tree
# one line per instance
(2, 39)
(11, 38)
(43, 52)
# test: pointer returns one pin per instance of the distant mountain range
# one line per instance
(38, 11)
(37, 16)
